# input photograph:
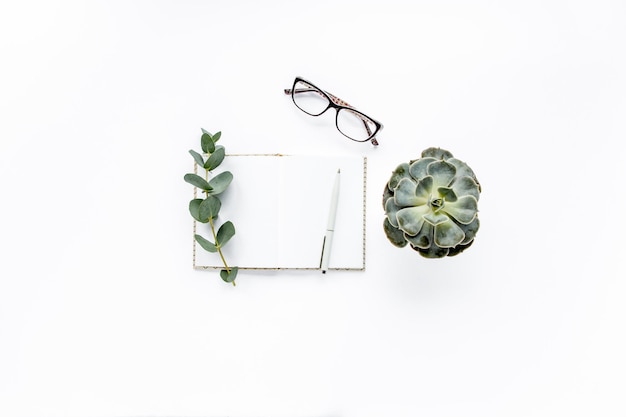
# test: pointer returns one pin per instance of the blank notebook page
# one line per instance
(279, 205)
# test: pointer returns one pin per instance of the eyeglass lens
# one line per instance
(309, 99)
(355, 125)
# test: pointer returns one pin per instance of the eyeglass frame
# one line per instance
(337, 104)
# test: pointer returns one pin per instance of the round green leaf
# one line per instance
(215, 159)
(226, 231)
(206, 142)
(209, 208)
(206, 245)
(194, 209)
(220, 182)
(229, 277)
(197, 157)
(198, 181)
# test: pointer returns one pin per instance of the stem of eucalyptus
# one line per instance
(217, 243)
(219, 248)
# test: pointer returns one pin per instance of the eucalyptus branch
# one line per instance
(206, 210)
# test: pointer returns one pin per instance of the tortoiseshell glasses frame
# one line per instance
(352, 123)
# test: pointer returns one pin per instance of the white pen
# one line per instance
(330, 228)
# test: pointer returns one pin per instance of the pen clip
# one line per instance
(322, 254)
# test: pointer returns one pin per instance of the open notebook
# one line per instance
(279, 205)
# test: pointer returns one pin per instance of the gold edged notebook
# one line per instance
(279, 205)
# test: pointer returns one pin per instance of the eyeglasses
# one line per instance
(349, 121)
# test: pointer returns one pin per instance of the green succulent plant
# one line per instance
(431, 203)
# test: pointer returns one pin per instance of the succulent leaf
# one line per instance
(466, 186)
(402, 171)
(433, 208)
(436, 153)
(459, 248)
(410, 219)
(418, 167)
(442, 172)
(387, 194)
(447, 194)
(462, 169)
(448, 234)
(423, 239)
(395, 235)
(391, 208)
(470, 230)
(433, 251)
(425, 188)
(405, 194)
(435, 218)
(464, 209)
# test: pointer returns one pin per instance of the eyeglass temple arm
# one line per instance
(300, 90)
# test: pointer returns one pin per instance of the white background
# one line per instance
(101, 313)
